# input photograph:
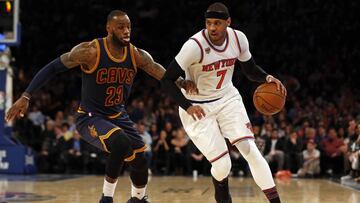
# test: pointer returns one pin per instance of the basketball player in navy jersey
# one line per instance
(217, 111)
(108, 66)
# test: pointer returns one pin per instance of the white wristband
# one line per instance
(26, 97)
(268, 78)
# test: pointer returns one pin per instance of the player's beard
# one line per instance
(117, 42)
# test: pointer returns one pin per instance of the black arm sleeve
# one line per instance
(252, 71)
(172, 73)
(45, 74)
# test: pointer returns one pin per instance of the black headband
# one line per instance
(216, 14)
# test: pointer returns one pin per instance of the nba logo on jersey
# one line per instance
(207, 50)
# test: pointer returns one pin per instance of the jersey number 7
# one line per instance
(221, 73)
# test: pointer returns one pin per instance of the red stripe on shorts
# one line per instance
(218, 157)
(242, 138)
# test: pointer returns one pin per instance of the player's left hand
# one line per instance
(190, 87)
(18, 109)
(278, 83)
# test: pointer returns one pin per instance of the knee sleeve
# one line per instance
(249, 151)
(139, 163)
(258, 165)
(119, 143)
(221, 168)
(119, 147)
(139, 170)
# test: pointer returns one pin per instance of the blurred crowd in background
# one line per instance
(309, 45)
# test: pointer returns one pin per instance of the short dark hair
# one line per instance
(218, 7)
(114, 13)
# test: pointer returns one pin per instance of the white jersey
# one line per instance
(211, 67)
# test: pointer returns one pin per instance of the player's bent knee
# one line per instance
(119, 143)
(249, 151)
(139, 163)
(221, 168)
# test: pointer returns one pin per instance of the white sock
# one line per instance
(138, 192)
(109, 188)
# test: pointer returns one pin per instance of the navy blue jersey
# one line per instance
(107, 85)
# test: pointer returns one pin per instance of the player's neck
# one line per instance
(115, 49)
(219, 42)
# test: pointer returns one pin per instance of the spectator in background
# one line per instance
(36, 116)
(154, 133)
(341, 133)
(137, 114)
(266, 130)
(71, 121)
(169, 129)
(75, 149)
(293, 147)
(67, 134)
(59, 118)
(146, 137)
(333, 157)
(311, 164)
(353, 151)
(274, 151)
(310, 134)
(57, 151)
(179, 154)
(259, 140)
(44, 158)
(161, 154)
(320, 136)
(282, 129)
(38, 120)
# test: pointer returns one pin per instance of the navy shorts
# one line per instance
(95, 129)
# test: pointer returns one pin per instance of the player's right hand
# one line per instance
(18, 109)
(196, 112)
(190, 87)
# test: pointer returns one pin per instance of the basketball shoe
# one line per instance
(106, 199)
(136, 200)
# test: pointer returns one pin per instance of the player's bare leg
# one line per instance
(259, 168)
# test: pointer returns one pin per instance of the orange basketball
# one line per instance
(268, 100)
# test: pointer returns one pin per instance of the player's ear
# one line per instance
(108, 27)
(228, 21)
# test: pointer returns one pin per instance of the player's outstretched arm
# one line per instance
(82, 54)
(156, 70)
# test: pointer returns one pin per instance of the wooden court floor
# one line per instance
(87, 189)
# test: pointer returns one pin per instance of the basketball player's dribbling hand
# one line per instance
(278, 83)
(196, 112)
(18, 109)
(190, 87)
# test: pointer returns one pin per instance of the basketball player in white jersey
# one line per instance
(217, 111)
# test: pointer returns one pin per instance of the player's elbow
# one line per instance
(165, 82)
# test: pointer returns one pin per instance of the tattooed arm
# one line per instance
(157, 71)
(84, 54)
